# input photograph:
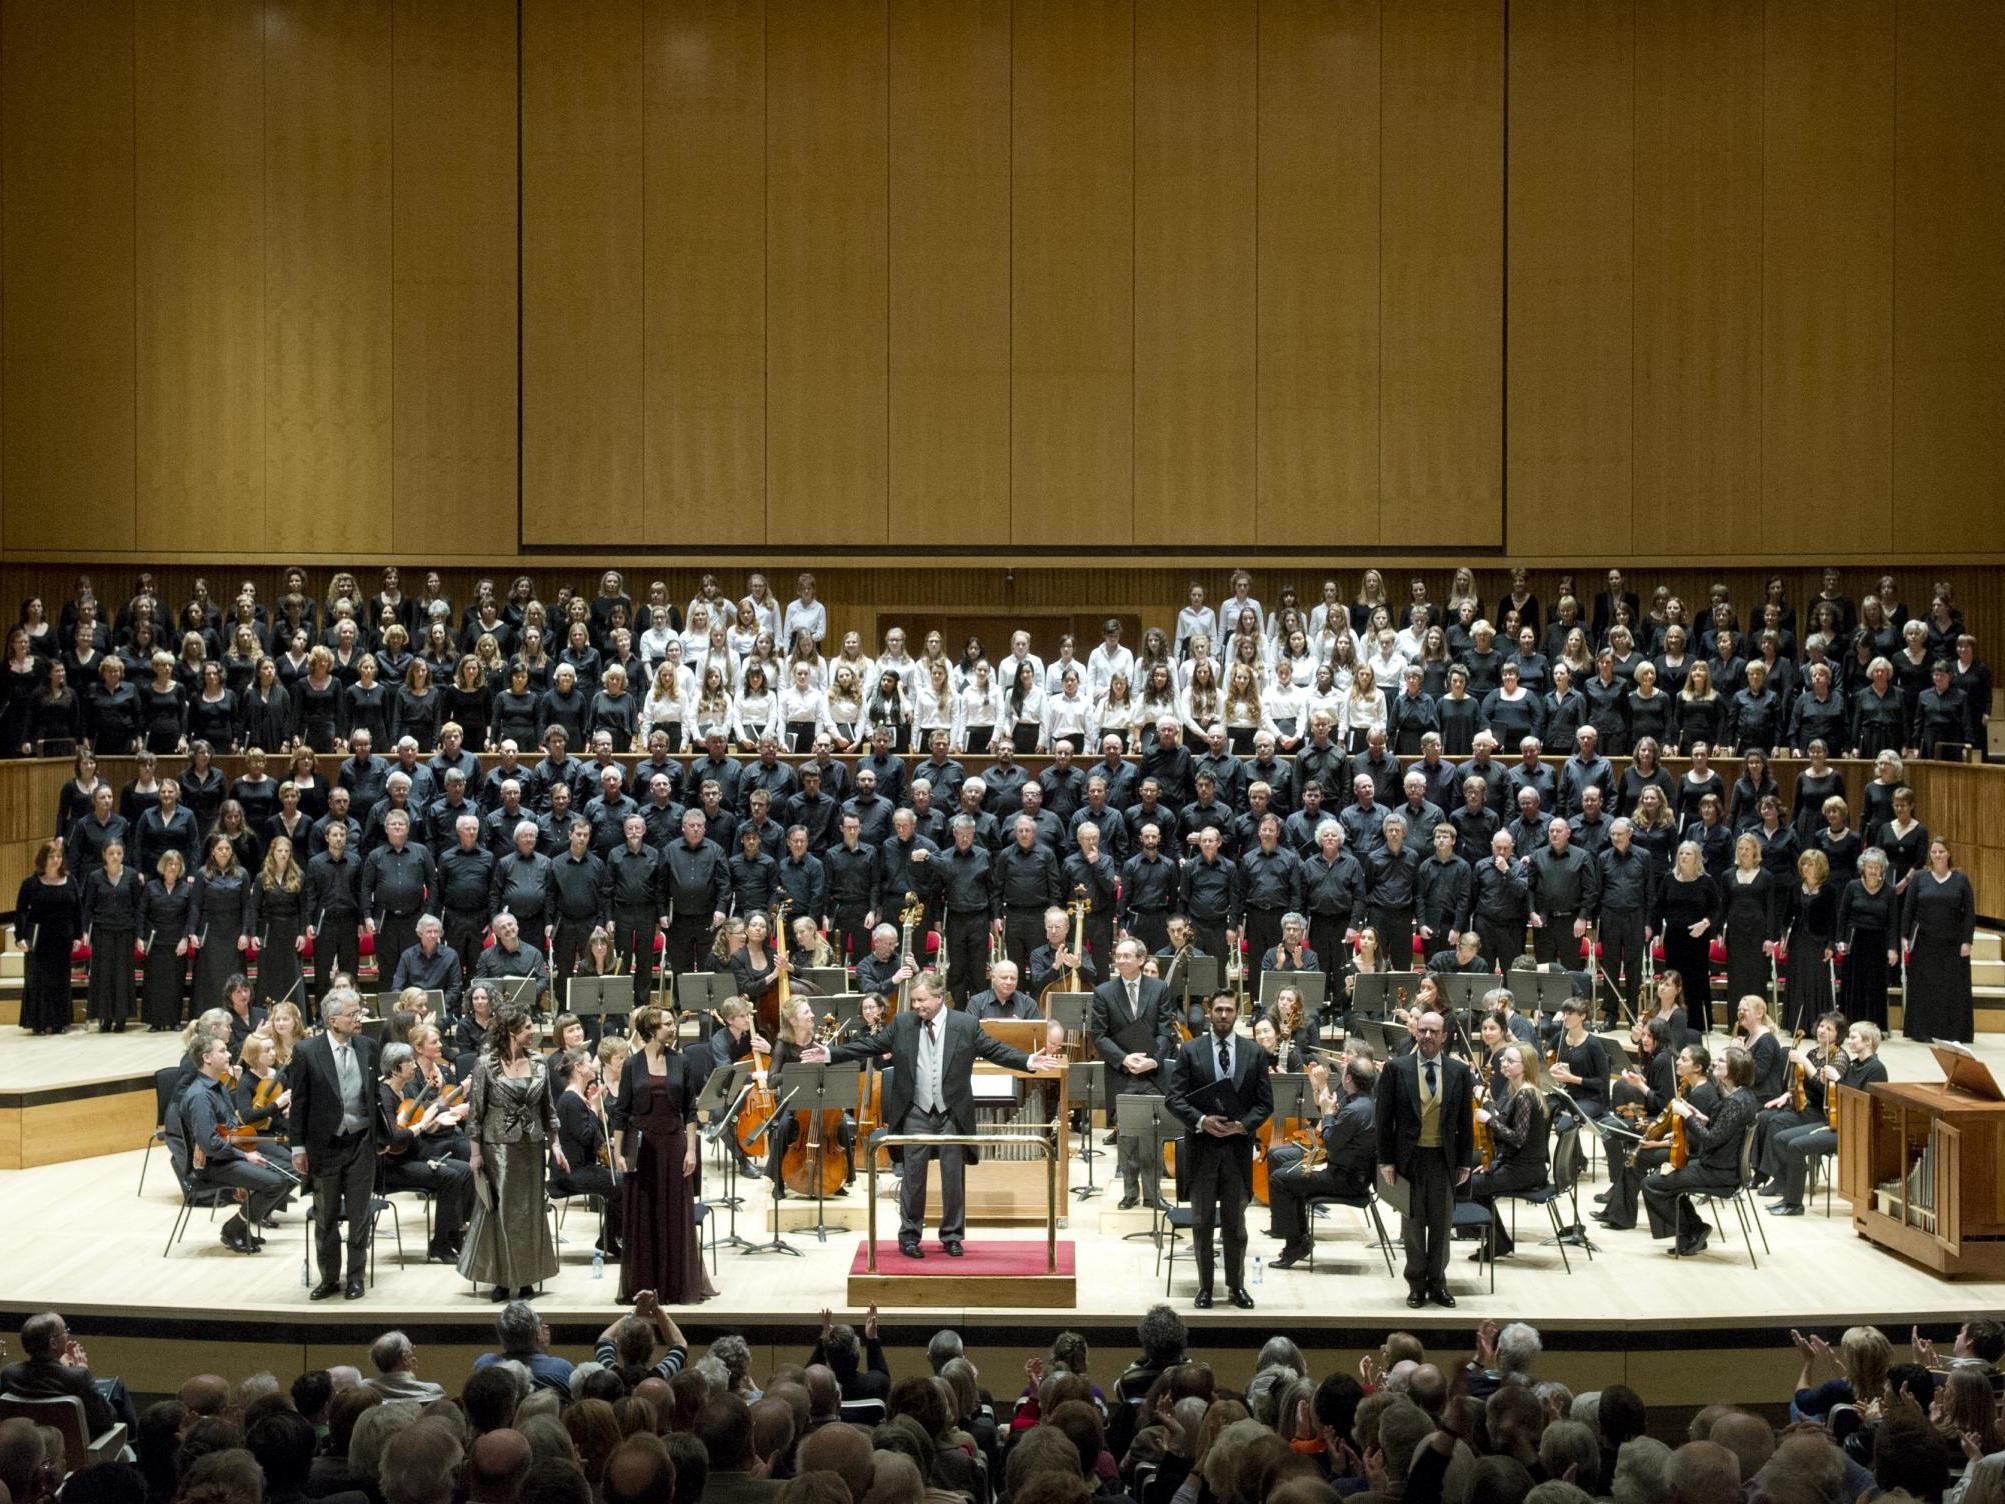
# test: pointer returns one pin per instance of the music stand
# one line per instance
(821, 1088)
(598, 997)
(1464, 989)
(821, 981)
(723, 1097)
(377, 1029)
(846, 1006)
(1147, 1117)
(1195, 976)
(1294, 1097)
(778, 1244)
(1313, 985)
(1377, 993)
(1085, 1075)
(517, 991)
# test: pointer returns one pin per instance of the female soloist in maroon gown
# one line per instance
(653, 1117)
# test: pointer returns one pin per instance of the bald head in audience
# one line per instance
(839, 1449)
(639, 1472)
(1748, 1437)
(495, 1466)
(1703, 1472)
(824, 1392)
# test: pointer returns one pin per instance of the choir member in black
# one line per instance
(581, 1132)
(277, 918)
(1626, 878)
(1687, 917)
(1757, 1036)
(654, 1150)
(163, 708)
(48, 921)
(1938, 923)
(1839, 843)
(1517, 1120)
(1905, 841)
(1806, 950)
(111, 901)
(416, 705)
(166, 912)
(213, 713)
(1785, 1161)
(1941, 719)
(334, 908)
(201, 785)
(1499, 905)
(1865, 940)
(79, 795)
(1713, 1144)
(319, 705)
(1630, 1160)
(207, 1111)
(1750, 914)
(1348, 1147)
(1582, 1064)
(1333, 884)
(112, 716)
(88, 836)
(165, 825)
(230, 823)
(402, 1146)
(221, 905)
(256, 791)
(51, 719)
(264, 710)
(1391, 889)
(1698, 782)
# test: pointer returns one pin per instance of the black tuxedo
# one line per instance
(1430, 1173)
(341, 1167)
(1118, 1032)
(962, 1040)
(1219, 1171)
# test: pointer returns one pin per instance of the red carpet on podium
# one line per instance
(987, 1258)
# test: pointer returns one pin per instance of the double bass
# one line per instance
(813, 1164)
(1070, 981)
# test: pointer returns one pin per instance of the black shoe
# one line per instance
(1203, 1301)
(441, 1253)
(1784, 1209)
(1482, 1253)
(325, 1289)
(1689, 1250)
(1440, 1296)
(953, 1247)
(1128, 1203)
(354, 1290)
(1292, 1255)
(1111, 1138)
(1601, 1197)
(1241, 1299)
(527, 1292)
(498, 1294)
(236, 1235)
(910, 1248)
(1416, 1298)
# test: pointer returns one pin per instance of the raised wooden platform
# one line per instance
(992, 1271)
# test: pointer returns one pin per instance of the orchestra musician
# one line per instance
(1785, 1160)
(404, 1151)
(882, 969)
(1055, 960)
(1348, 1146)
(1291, 952)
(797, 1035)
(1003, 999)
(1133, 1029)
(207, 1113)
(1516, 1118)
(1715, 1150)
(256, 1077)
(437, 1075)
(581, 1134)
(1627, 1171)
(930, 1090)
(1582, 1066)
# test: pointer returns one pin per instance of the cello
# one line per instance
(813, 1164)
(749, 1128)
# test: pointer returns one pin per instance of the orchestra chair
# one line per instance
(1374, 1221)
(1741, 1199)
(560, 1206)
(164, 1082)
(65, 1413)
(863, 1412)
(1566, 1164)
(196, 1188)
(1471, 1216)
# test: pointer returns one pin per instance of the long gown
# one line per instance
(1941, 917)
(1813, 926)
(514, 1122)
(275, 920)
(662, 1251)
(220, 903)
(1749, 911)
(1865, 923)
(53, 914)
(111, 914)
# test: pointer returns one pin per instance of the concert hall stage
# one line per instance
(1681, 1331)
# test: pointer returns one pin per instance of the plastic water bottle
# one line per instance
(598, 1263)
(1259, 1270)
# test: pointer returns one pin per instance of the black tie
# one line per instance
(1430, 1078)
(929, 1031)
(1224, 1064)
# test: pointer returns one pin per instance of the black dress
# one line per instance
(1905, 853)
(369, 710)
(1518, 1129)
(318, 712)
(662, 1251)
(202, 793)
(52, 915)
(265, 719)
(111, 914)
(1842, 850)
(1812, 789)
(17, 689)
(276, 919)
(417, 716)
(1691, 793)
(1749, 912)
(1865, 928)
(1813, 927)
(1680, 905)
(164, 715)
(220, 901)
(1939, 918)
(164, 919)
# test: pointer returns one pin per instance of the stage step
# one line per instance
(1987, 945)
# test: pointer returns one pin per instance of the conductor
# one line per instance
(929, 1090)
(1423, 1122)
(1220, 1093)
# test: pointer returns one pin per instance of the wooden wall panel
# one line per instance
(704, 80)
(1318, 273)
(1196, 229)
(582, 300)
(1827, 274)
(1698, 269)
(327, 274)
(827, 270)
(950, 272)
(1072, 311)
(66, 273)
(1949, 271)
(199, 207)
(1441, 274)
(1572, 230)
(453, 297)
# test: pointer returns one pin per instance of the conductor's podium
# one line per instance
(1919, 1162)
(1007, 1187)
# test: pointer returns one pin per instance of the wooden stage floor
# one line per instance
(80, 1240)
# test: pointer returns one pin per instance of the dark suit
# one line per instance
(341, 1166)
(1120, 1031)
(1430, 1173)
(1349, 1148)
(961, 1041)
(1219, 1171)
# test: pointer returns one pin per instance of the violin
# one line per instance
(1799, 1078)
(809, 1166)
(268, 1092)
